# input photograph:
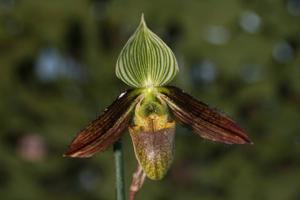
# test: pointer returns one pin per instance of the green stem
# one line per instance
(118, 152)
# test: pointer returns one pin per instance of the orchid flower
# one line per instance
(151, 110)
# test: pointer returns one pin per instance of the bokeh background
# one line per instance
(57, 62)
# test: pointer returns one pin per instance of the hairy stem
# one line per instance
(138, 180)
(118, 152)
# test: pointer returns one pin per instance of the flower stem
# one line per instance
(118, 152)
(138, 180)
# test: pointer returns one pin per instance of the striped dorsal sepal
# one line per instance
(146, 61)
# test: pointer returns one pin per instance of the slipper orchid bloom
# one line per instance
(151, 110)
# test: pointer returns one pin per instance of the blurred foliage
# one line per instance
(57, 63)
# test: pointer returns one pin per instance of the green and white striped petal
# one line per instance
(146, 61)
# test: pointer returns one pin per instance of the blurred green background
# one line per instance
(57, 62)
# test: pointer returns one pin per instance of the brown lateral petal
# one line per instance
(106, 129)
(205, 121)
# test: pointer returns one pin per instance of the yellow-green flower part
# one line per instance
(152, 136)
(145, 60)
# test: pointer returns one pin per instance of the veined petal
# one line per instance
(106, 129)
(146, 60)
(206, 122)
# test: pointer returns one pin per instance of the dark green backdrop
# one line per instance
(57, 62)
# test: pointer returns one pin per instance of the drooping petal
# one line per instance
(146, 60)
(106, 129)
(205, 121)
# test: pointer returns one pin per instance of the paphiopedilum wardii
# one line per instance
(151, 110)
